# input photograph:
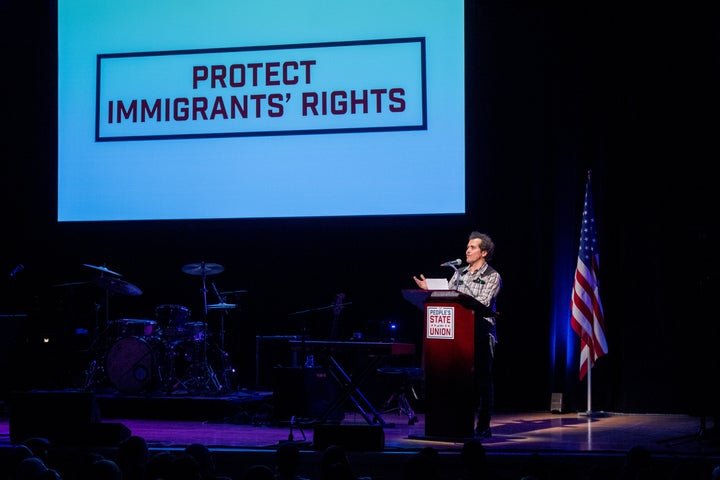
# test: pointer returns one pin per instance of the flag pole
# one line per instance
(587, 318)
(589, 385)
(590, 353)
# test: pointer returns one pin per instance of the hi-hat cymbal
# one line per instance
(218, 306)
(116, 285)
(102, 269)
(202, 268)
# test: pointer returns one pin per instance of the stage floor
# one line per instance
(240, 431)
(511, 432)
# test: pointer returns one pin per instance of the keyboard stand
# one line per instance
(350, 389)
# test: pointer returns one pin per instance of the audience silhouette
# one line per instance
(473, 460)
(423, 465)
(29, 460)
(258, 472)
(287, 462)
(132, 458)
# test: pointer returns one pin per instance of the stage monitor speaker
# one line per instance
(556, 403)
(64, 417)
(305, 393)
(350, 437)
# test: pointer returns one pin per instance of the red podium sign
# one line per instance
(448, 360)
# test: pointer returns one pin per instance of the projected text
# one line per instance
(261, 91)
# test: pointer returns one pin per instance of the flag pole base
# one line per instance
(592, 414)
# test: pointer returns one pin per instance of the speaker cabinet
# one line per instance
(62, 418)
(350, 437)
(305, 393)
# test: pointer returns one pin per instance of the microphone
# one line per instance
(16, 270)
(452, 263)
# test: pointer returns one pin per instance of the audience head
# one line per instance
(30, 468)
(49, 474)
(473, 457)
(637, 461)
(534, 468)
(104, 469)
(18, 454)
(183, 466)
(40, 447)
(203, 456)
(132, 457)
(287, 458)
(134, 447)
(258, 472)
(339, 471)
(715, 475)
(332, 455)
(158, 465)
(423, 465)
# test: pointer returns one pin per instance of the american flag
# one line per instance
(587, 318)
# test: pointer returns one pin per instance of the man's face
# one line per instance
(473, 253)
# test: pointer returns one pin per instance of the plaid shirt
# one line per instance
(483, 284)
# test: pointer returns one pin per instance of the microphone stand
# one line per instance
(304, 325)
(457, 277)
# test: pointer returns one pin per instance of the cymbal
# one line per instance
(102, 269)
(202, 268)
(116, 285)
(218, 306)
(231, 292)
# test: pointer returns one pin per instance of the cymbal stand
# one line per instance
(221, 300)
(202, 373)
(227, 368)
(94, 375)
(204, 293)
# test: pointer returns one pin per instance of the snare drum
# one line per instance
(135, 327)
(172, 316)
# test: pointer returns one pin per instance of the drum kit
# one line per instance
(169, 354)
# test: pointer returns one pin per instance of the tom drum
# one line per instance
(136, 327)
(172, 316)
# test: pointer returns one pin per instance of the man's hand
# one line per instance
(421, 282)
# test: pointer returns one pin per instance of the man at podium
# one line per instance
(482, 282)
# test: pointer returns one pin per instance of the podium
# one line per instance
(448, 360)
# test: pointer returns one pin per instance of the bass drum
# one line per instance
(136, 364)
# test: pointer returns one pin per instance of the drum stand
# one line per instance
(227, 369)
(200, 376)
(103, 337)
(400, 396)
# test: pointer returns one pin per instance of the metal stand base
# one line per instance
(400, 396)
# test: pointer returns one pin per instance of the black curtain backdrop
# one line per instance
(627, 92)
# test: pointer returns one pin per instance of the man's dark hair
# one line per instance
(486, 243)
